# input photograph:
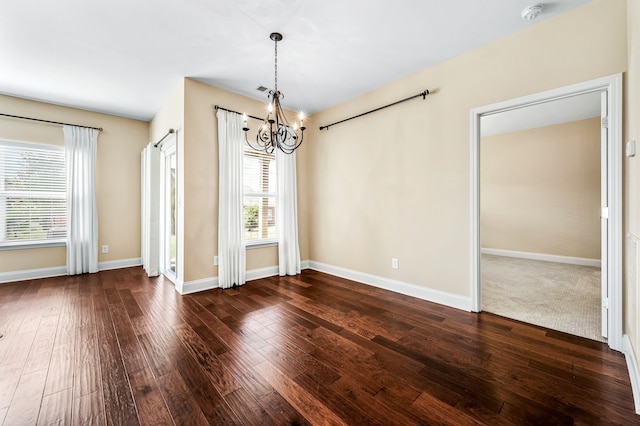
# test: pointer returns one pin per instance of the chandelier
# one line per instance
(275, 132)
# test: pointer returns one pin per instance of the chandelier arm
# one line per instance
(262, 137)
(257, 148)
(296, 141)
(288, 149)
(279, 112)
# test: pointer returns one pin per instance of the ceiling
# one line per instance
(125, 57)
(573, 108)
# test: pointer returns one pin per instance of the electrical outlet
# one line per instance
(105, 249)
(394, 263)
(215, 260)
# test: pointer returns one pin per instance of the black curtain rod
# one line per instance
(163, 138)
(51, 122)
(230, 110)
(423, 94)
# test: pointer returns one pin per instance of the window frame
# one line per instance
(260, 242)
(42, 243)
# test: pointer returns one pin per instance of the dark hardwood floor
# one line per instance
(119, 348)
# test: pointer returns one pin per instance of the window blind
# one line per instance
(32, 193)
(260, 190)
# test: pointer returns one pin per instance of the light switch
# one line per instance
(631, 149)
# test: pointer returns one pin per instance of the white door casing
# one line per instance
(168, 152)
(611, 86)
(604, 211)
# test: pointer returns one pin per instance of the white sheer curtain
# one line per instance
(231, 248)
(82, 217)
(150, 166)
(287, 214)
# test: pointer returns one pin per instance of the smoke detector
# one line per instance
(531, 12)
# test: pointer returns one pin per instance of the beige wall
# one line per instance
(117, 180)
(396, 183)
(632, 177)
(171, 116)
(540, 190)
(201, 181)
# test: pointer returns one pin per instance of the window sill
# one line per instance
(260, 244)
(32, 244)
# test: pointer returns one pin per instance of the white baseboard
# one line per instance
(196, 285)
(118, 264)
(256, 274)
(56, 271)
(544, 257)
(436, 296)
(424, 293)
(212, 282)
(632, 366)
(32, 274)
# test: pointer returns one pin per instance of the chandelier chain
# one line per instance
(276, 65)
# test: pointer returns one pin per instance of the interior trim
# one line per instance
(634, 375)
(56, 271)
(583, 261)
(212, 282)
(612, 84)
(408, 289)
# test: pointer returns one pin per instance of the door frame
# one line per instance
(168, 149)
(613, 85)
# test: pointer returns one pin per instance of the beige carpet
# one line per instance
(552, 295)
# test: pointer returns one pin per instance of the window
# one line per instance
(259, 197)
(32, 194)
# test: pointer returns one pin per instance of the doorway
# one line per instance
(611, 86)
(540, 227)
(168, 214)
